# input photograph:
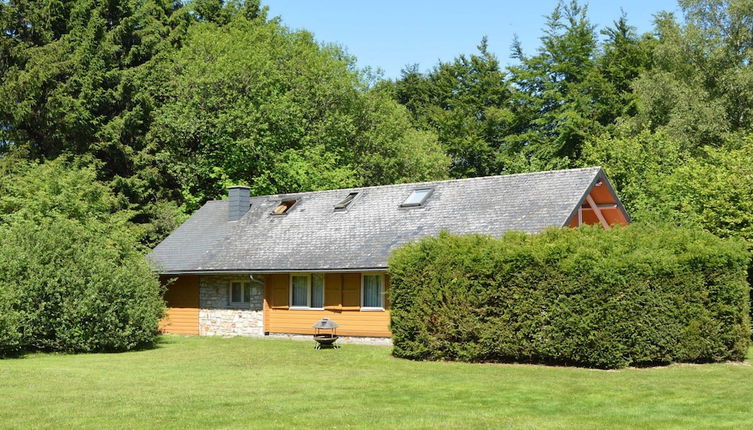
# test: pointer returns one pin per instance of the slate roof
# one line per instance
(312, 236)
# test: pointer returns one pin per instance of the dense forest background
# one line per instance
(166, 103)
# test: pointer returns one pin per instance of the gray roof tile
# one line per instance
(312, 236)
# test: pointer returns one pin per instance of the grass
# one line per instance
(193, 382)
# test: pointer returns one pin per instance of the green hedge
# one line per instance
(73, 276)
(66, 288)
(637, 295)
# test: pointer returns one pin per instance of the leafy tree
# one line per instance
(72, 273)
(114, 80)
(539, 115)
(625, 55)
(701, 88)
(254, 102)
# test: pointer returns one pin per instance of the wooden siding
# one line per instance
(342, 301)
(602, 196)
(182, 298)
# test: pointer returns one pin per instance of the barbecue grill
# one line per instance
(325, 333)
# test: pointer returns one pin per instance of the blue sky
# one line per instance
(390, 34)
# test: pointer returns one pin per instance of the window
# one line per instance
(307, 291)
(417, 197)
(372, 291)
(344, 203)
(283, 207)
(240, 293)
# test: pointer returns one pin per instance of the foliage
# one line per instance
(463, 101)
(658, 180)
(540, 113)
(256, 103)
(72, 275)
(599, 298)
(701, 87)
(176, 101)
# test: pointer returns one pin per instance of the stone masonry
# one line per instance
(218, 317)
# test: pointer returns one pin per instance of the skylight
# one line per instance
(344, 203)
(417, 197)
(283, 207)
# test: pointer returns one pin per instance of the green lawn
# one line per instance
(268, 383)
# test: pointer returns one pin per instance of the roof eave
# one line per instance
(266, 271)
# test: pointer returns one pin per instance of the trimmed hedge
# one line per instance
(73, 276)
(66, 288)
(637, 295)
(71, 289)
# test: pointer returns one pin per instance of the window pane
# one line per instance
(300, 290)
(372, 294)
(246, 293)
(346, 201)
(417, 197)
(235, 295)
(317, 291)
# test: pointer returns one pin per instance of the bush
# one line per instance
(72, 275)
(637, 295)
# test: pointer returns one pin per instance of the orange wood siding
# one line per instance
(182, 298)
(601, 196)
(342, 300)
(351, 291)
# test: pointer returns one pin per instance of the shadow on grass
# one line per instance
(159, 342)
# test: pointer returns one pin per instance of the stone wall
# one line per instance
(218, 317)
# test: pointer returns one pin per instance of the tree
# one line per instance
(114, 80)
(556, 89)
(701, 87)
(254, 102)
(72, 273)
(463, 101)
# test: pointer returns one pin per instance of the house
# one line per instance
(276, 264)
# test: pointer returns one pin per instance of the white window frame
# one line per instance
(310, 285)
(244, 286)
(381, 293)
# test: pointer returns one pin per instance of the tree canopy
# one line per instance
(177, 100)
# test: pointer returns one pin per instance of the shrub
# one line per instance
(72, 275)
(600, 298)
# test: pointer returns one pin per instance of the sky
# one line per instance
(389, 34)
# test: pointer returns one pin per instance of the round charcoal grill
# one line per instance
(325, 333)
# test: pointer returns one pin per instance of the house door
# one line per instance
(182, 298)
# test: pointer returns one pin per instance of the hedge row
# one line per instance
(637, 295)
(65, 288)
(72, 274)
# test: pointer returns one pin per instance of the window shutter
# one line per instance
(278, 291)
(332, 291)
(351, 291)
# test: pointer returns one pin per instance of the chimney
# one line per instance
(238, 202)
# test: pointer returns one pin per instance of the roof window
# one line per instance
(283, 207)
(417, 197)
(344, 203)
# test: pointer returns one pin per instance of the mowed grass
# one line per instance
(192, 382)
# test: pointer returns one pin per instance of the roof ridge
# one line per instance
(443, 181)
